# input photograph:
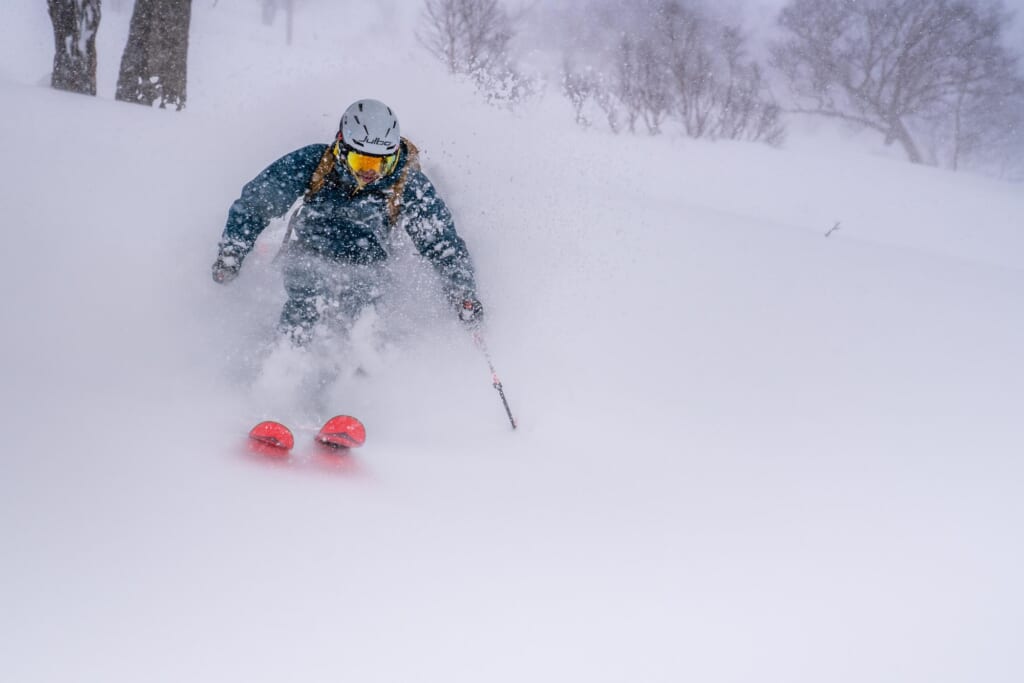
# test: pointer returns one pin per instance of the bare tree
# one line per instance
(984, 132)
(642, 84)
(585, 89)
(626, 88)
(154, 67)
(269, 13)
(683, 31)
(680, 63)
(743, 110)
(467, 35)
(894, 65)
(579, 88)
(471, 37)
(986, 104)
(654, 98)
(75, 23)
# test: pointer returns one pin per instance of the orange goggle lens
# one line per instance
(361, 163)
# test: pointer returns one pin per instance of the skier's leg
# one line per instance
(359, 287)
(298, 317)
(305, 290)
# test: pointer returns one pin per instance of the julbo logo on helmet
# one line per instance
(371, 127)
(368, 141)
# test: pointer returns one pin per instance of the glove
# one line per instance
(471, 312)
(225, 269)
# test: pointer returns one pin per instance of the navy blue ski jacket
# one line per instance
(344, 223)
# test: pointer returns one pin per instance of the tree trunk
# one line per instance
(958, 132)
(898, 132)
(155, 61)
(269, 12)
(290, 31)
(75, 23)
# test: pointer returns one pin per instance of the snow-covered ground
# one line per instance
(747, 452)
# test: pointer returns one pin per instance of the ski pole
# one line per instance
(478, 339)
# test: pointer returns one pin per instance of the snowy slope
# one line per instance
(748, 452)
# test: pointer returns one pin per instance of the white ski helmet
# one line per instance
(370, 127)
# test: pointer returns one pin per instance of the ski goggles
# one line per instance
(362, 163)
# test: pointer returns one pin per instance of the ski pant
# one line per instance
(328, 291)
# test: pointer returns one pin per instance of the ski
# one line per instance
(341, 432)
(273, 435)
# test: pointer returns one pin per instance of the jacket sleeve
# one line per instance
(429, 223)
(267, 196)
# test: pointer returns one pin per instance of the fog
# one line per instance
(747, 451)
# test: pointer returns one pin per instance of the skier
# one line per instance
(355, 192)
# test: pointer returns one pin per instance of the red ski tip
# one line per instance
(342, 431)
(273, 434)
